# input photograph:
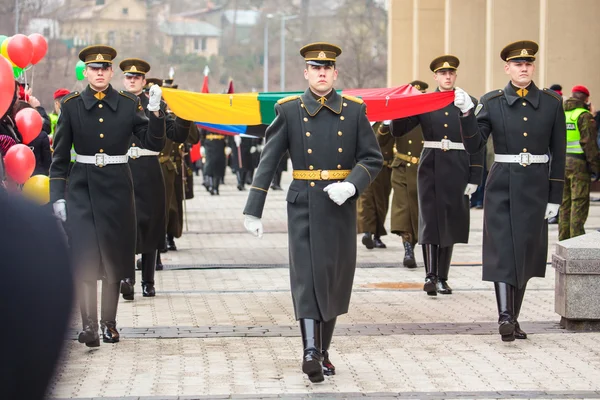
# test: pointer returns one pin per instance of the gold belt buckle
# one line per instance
(325, 175)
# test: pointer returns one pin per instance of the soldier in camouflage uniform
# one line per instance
(581, 162)
(374, 203)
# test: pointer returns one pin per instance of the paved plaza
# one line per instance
(222, 325)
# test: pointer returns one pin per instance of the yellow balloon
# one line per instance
(37, 189)
(4, 51)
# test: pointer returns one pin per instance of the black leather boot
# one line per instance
(519, 294)
(311, 340)
(88, 303)
(148, 265)
(378, 244)
(165, 247)
(216, 182)
(127, 288)
(409, 256)
(241, 178)
(327, 334)
(159, 264)
(505, 299)
(171, 243)
(444, 258)
(110, 302)
(210, 185)
(431, 263)
(367, 240)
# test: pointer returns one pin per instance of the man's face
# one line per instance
(98, 78)
(134, 83)
(520, 72)
(445, 79)
(320, 78)
(57, 105)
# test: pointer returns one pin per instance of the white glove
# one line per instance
(551, 210)
(252, 149)
(462, 100)
(254, 225)
(202, 151)
(155, 97)
(470, 189)
(259, 148)
(387, 122)
(238, 140)
(339, 192)
(227, 151)
(60, 209)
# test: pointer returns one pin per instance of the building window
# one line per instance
(203, 44)
(111, 38)
(46, 32)
(125, 11)
(178, 45)
(200, 44)
(99, 2)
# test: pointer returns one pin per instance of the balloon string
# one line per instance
(32, 75)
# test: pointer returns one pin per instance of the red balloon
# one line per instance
(40, 47)
(20, 50)
(19, 163)
(29, 123)
(7, 85)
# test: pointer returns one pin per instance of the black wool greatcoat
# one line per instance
(100, 200)
(515, 233)
(214, 146)
(149, 185)
(444, 212)
(322, 235)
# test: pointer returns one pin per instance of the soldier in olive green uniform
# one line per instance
(581, 162)
(405, 201)
(374, 203)
(335, 156)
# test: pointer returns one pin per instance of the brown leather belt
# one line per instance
(321, 175)
(407, 158)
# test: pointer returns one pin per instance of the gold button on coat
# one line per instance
(410, 142)
(100, 106)
(340, 133)
(305, 119)
(524, 104)
(446, 113)
(307, 134)
(524, 150)
(525, 134)
(309, 151)
(312, 184)
(339, 166)
(311, 167)
(524, 118)
(342, 118)
(345, 104)
(445, 125)
(101, 120)
(102, 136)
(340, 149)
(101, 150)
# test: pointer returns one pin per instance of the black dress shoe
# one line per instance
(430, 286)
(367, 240)
(442, 287)
(164, 246)
(328, 367)
(276, 187)
(240, 188)
(507, 331)
(171, 244)
(311, 365)
(138, 264)
(378, 243)
(148, 290)
(109, 332)
(127, 289)
(519, 333)
(159, 266)
(89, 335)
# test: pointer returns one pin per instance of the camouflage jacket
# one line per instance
(589, 133)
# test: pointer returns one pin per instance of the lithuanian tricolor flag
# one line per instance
(258, 108)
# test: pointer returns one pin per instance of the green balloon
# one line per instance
(2, 39)
(79, 67)
(17, 72)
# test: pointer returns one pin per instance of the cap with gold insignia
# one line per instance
(153, 81)
(320, 53)
(134, 66)
(98, 56)
(446, 61)
(523, 50)
(419, 85)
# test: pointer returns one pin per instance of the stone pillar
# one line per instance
(577, 294)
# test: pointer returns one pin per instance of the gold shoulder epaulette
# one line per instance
(70, 96)
(288, 98)
(553, 94)
(353, 98)
(130, 96)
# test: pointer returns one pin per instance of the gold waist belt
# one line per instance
(215, 137)
(407, 158)
(164, 159)
(321, 175)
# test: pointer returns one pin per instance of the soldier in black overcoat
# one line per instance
(525, 183)
(100, 207)
(335, 156)
(447, 175)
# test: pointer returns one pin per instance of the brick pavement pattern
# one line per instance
(222, 326)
